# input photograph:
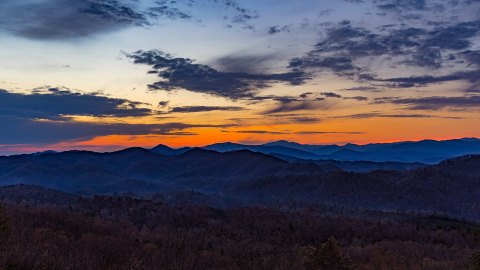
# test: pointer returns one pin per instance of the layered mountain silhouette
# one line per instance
(138, 170)
(426, 151)
(236, 174)
(451, 188)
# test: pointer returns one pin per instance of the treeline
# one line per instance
(128, 233)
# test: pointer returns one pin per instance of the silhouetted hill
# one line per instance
(357, 166)
(141, 171)
(426, 151)
(451, 188)
(35, 196)
(167, 151)
(266, 149)
(246, 177)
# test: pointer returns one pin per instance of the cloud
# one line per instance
(165, 10)
(16, 130)
(291, 105)
(263, 132)
(329, 132)
(194, 109)
(278, 29)
(55, 103)
(163, 104)
(357, 98)
(306, 94)
(387, 115)
(60, 19)
(341, 65)
(439, 103)
(46, 115)
(415, 81)
(330, 95)
(295, 118)
(241, 15)
(184, 73)
(307, 101)
(303, 119)
(364, 89)
(401, 5)
(475, 91)
(68, 19)
(348, 51)
(241, 63)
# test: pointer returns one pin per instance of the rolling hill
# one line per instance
(426, 151)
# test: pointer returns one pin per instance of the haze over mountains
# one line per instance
(240, 176)
(426, 151)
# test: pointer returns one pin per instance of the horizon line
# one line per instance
(238, 143)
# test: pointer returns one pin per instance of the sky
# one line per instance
(108, 74)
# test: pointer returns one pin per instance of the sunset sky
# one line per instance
(107, 74)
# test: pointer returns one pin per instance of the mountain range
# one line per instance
(244, 177)
(425, 151)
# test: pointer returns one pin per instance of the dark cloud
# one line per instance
(17, 130)
(163, 104)
(304, 102)
(413, 9)
(295, 118)
(262, 132)
(303, 119)
(163, 9)
(252, 64)
(329, 132)
(401, 5)
(194, 109)
(357, 98)
(67, 19)
(341, 65)
(330, 95)
(364, 89)
(306, 95)
(440, 103)
(58, 102)
(347, 51)
(475, 91)
(473, 57)
(60, 19)
(291, 105)
(415, 81)
(183, 73)
(241, 15)
(232, 11)
(387, 115)
(45, 116)
(278, 29)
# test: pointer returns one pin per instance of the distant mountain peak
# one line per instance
(136, 148)
(282, 142)
(199, 150)
(47, 152)
(162, 146)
